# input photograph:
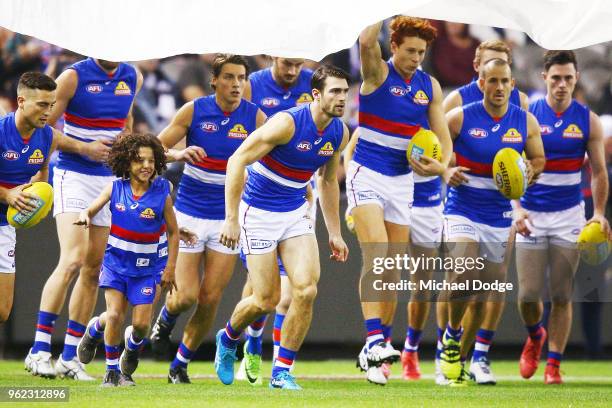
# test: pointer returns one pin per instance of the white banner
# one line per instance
(122, 30)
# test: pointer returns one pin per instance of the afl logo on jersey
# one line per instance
(326, 150)
(237, 132)
(10, 155)
(209, 127)
(304, 98)
(270, 102)
(36, 157)
(94, 88)
(148, 291)
(478, 133)
(122, 89)
(120, 207)
(304, 146)
(512, 136)
(421, 98)
(398, 90)
(545, 130)
(573, 132)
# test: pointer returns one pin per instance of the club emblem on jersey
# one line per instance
(94, 88)
(10, 155)
(237, 132)
(398, 90)
(147, 213)
(209, 127)
(120, 207)
(304, 98)
(122, 89)
(304, 146)
(420, 98)
(270, 102)
(546, 130)
(142, 262)
(512, 136)
(326, 150)
(573, 132)
(36, 157)
(478, 133)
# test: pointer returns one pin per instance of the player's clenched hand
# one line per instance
(20, 200)
(521, 221)
(98, 150)
(454, 176)
(603, 222)
(230, 232)
(427, 166)
(83, 219)
(338, 247)
(168, 282)
(187, 236)
(531, 178)
(191, 154)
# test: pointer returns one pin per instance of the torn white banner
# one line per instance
(141, 29)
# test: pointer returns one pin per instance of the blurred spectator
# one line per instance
(452, 53)
(194, 79)
(20, 53)
(513, 38)
(59, 59)
(157, 101)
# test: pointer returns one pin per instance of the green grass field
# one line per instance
(330, 383)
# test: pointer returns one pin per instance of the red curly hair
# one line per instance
(403, 26)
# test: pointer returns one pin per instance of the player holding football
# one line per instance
(556, 212)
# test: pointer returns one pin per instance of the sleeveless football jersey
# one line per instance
(272, 98)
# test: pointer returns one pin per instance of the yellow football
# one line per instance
(44, 200)
(424, 143)
(510, 173)
(350, 221)
(593, 244)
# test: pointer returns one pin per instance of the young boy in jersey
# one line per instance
(140, 205)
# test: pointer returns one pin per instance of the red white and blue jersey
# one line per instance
(388, 118)
(427, 191)
(201, 191)
(471, 93)
(272, 98)
(565, 136)
(137, 223)
(278, 181)
(162, 250)
(98, 110)
(21, 159)
(479, 140)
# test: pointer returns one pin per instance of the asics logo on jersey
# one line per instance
(559, 123)
(319, 140)
(94, 88)
(120, 207)
(546, 130)
(25, 149)
(148, 291)
(478, 133)
(225, 121)
(122, 89)
(134, 206)
(398, 90)
(36, 157)
(495, 128)
(304, 146)
(270, 102)
(11, 155)
(209, 127)
(573, 132)
(237, 132)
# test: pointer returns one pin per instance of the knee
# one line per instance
(69, 270)
(267, 303)
(141, 328)
(209, 299)
(284, 303)
(305, 293)
(185, 299)
(114, 317)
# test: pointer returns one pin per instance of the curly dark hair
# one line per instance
(125, 151)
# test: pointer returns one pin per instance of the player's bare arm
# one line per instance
(373, 69)
(534, 149)
(175, 132)
(599, 178)
(329, 197)
(454, 175)
(453, 100)
(67, 84)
